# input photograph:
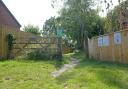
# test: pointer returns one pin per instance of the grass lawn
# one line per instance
(89, 74)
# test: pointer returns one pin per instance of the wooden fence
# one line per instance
(110, 47)
(4, 31)
(19, 35)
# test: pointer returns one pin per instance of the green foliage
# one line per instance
(42, 55)
(80, 21)
(38, 54)
(32, 29)
(112, 20)
(49, 28)
(10, 39)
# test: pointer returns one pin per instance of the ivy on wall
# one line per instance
(10, 39)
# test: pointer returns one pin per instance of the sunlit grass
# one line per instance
(92, 74)
(26, 74)
(89, 74)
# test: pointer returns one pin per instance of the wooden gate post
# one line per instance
(59, 48)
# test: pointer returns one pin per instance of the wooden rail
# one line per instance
(4, 31)
(22, 39)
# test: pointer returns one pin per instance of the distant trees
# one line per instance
(79, 20)
(114, 19)
(49, 27)
(32, 29)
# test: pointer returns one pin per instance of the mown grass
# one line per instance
(89, 74)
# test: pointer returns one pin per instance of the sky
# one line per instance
(103, 6)
(34, 12)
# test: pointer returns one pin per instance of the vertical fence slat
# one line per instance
(113, 52)
(4, 30)
(0, 41)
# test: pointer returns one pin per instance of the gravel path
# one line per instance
(66, 67)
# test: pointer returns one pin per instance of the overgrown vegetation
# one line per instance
(41, 54)
(10, 40)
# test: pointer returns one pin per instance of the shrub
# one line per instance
(41, 54)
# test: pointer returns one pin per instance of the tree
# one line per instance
(32, 29)
(49, 27)
(112, 21)
(115, 17)
(80, 21)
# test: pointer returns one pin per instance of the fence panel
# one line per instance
(116, 50)
(4, 31)
(20, 37)
(1, 41)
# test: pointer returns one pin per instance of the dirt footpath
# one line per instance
(66, 67)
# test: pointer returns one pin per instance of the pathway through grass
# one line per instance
(66, 67)
(89, 74)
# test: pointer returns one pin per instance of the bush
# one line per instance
(41, 54)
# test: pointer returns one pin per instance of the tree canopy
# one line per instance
(80, 20)
(32, 29)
